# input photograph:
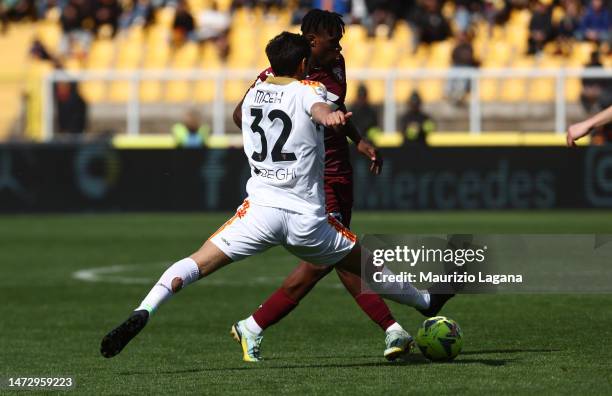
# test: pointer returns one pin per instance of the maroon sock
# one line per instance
(376, 309)
(276, 307)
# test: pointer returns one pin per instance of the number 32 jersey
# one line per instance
(285, 148)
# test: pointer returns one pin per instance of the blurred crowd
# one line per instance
(559, 23)
(574, 19)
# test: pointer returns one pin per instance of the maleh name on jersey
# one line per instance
(268, 97)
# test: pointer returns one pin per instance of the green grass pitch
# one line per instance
(51, 323)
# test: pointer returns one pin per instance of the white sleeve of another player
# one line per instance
(313, 94)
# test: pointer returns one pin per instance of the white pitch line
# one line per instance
(112, 274)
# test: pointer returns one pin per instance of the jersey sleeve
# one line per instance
(314, 92)
(263, 76)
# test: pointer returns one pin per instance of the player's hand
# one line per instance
(336, 118)
(576, 131)
(368, 150)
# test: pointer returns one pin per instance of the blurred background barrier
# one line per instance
(145, 71)
(99, 177)
(537, 82)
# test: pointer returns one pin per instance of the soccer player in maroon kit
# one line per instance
(324, 30)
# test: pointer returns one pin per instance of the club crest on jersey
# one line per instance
(317, 87)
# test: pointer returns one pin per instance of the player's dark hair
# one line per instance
(316, 21)
(286, 51)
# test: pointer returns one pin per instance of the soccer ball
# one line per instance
(440, 339)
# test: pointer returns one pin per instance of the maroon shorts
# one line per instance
(339, 198)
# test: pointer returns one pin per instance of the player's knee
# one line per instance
(176, 284)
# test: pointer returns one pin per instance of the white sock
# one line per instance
(252, 326)
(186, 270)
(394, 327)
(401, 292)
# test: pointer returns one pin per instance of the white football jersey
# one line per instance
(284, 146)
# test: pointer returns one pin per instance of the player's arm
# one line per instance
(364, 147)
(581, 129)
(237, 116)
(322, 114)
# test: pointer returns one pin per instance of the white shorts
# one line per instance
(254, 229)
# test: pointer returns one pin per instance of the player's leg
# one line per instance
(397, 340)
(325, 245)
(299, 283)
(303, 278)
(401, 292)
(248, 232)
(427, 302)
(204, 262)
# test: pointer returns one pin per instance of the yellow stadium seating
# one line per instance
(557, 14)
(385, 54)
(224, 5)
(432, 90)
(135, 34)
(489, 89)
(354, 34)
(266, 33)
(403, 89)
(581, 53)
(517, 36)
(503, 46)
(93, 91)
(119, 91)
(376, 90)
(234, 90)
(150, 91)
(498, 54)
(72, 64)
(359, 56)
(129, 55)
(101, 54)
(156, 56)
(49, 33)
(204, 91)
(440, 55)
(543, 89)
(520, 18)
(573, 87)
(164, 17)
(403, 35)
(514, 89)
(184, 58)
(178, 91)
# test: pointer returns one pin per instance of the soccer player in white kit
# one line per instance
(282, 121)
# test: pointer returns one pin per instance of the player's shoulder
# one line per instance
(263, 76)
(316, 86)
(312, 83)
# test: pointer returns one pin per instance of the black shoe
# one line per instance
(439, 294)
(436, 302)
(119, 337)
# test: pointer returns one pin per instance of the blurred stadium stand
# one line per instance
(508, 104)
